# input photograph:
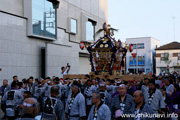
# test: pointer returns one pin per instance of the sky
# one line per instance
(145, 18)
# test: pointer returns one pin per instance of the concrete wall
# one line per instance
(12, 6)
(93, 9)
(20, 55)
(174, 65)
(84, 65)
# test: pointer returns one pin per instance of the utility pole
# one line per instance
(174, 27)
(136, 60)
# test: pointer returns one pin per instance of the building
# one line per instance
(168, 58)
(37, 37)
(144, 60)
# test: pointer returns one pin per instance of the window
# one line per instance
(140, 58)
(164, 56)
(90, 30)
(132, 61)
(131, 58)
(164, 69)
(43, 18)
(178, 56)
(73, 26)
(147, 70)
(134, 45)
(140, 46)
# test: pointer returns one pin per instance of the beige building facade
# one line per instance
(168, 58)
(37, 39)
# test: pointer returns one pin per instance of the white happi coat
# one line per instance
(157, 101)
(78, 107)
(88, 93)
(103, 112)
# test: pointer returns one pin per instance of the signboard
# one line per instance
(134, 55)
(134, 63)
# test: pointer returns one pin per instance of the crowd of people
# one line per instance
(91, 99)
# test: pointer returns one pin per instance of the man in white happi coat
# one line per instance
(154, 97)
(105, 96)
(88, 91)
(75, 105)
(99, 110)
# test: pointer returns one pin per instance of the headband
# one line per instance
(122, 85)
(75, 86)
(102, 84)
(29, 105)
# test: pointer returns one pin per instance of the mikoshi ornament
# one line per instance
(118, 44)
(105, 27)
(81, 45)
(131, 48)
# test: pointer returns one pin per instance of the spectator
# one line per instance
(4, 88)
(178, 81)
(175, 96)
(15, 79)
(168, 101)
(65, 70)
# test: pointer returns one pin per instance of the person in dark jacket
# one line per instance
(3, 89)
(15, 79)
(168, 101)
(175, 96)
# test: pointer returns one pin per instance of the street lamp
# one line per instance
(55, 3)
